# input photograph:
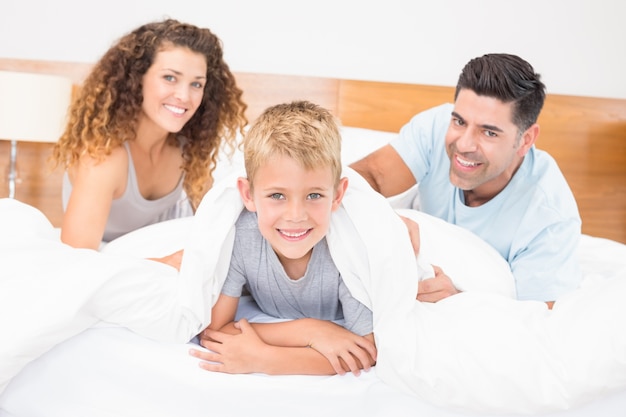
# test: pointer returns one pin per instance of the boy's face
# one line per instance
(293, 205)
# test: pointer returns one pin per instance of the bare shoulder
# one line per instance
(109, 172)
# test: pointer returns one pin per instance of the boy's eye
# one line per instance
(277, 196)
(314, 196)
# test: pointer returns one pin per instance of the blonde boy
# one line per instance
(292, 157)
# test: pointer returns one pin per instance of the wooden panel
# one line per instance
(37, 184)
(587, 136)
(387, 106)
(260, 90)
(76, 71)
(264, 90)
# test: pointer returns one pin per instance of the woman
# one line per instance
(144, 132)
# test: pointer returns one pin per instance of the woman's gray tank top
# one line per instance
(132, 211)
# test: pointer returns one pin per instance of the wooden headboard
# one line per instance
(587, 136)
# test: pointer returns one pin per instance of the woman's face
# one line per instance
(173, 88)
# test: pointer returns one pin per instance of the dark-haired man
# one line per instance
(476, 166)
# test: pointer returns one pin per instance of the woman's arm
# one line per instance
(174, 259)
(94, 186)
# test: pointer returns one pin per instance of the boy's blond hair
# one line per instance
(301, 130)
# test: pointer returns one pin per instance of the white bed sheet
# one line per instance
(110, 371)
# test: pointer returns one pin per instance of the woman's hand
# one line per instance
(174, 260)
(414, 233)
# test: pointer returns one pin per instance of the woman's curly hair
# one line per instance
(106, 110)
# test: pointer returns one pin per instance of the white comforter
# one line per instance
(480, 351)
(477, 352)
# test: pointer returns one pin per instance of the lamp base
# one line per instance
(12, 176)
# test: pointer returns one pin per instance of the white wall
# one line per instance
(577, 45)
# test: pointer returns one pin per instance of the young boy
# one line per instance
(292, 157)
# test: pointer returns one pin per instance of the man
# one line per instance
(476, 166)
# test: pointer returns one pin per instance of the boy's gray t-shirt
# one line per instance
(320, 293)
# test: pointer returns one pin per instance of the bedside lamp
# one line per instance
(33, 108)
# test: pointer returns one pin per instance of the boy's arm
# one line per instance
(223, 311)
(345, 350)
(331, 340)
(246, 352)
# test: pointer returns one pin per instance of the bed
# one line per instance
(481, 353)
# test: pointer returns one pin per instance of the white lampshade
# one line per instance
(33, 107)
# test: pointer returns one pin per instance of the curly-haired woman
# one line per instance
(144, 132)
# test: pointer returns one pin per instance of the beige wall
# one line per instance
(576, 44)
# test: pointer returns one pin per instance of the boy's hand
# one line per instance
(231, 353)
(344, 350)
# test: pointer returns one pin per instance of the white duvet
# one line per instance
(479, 352)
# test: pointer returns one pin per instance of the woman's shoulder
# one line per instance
(109, 168)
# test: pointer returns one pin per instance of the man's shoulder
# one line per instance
(550, 190)
(544, 171)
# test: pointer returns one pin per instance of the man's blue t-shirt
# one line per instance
(534, 222)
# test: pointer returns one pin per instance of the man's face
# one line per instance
(483, 144)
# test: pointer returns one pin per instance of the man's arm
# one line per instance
(548, 267)
(385, 171)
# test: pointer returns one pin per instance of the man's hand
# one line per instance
(435, 289)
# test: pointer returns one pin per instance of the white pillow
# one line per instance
(153, 241)
(358, 142)
(48, 289)
(470, 262)
(22, 221)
